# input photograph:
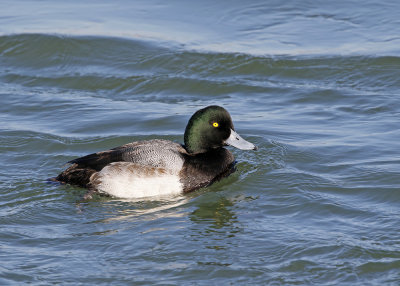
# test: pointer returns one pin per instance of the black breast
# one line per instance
(200, 170)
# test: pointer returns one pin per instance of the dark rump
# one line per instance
(76, 175)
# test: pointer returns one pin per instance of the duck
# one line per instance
(160, 167)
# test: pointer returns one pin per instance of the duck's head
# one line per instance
(210, 128)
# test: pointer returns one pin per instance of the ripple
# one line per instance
(317, 202)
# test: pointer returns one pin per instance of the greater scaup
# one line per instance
(159, 167)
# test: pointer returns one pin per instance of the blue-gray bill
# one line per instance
(236, 141)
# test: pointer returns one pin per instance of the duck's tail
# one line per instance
(75, 175)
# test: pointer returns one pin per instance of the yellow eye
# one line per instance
(215, 124)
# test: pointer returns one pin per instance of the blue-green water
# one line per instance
(314, 84)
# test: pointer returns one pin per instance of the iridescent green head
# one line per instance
(210, 128)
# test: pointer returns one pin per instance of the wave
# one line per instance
(120, 65)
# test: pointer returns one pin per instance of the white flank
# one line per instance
(130, 180)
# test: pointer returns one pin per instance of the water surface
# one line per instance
(315, 85)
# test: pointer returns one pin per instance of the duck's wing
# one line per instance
(152, 153)
(99, 160)
(155, 153)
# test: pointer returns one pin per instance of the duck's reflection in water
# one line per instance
(215, 224)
